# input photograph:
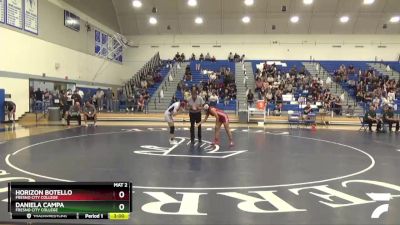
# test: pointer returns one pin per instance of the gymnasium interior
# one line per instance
(206, 111)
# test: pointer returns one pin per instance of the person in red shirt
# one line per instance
(220, 118)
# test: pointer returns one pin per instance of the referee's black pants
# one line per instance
(195, 117)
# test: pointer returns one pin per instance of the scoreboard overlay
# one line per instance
(77, 200)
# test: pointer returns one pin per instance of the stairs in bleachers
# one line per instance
(381, 68)
(328, 68)
(158, 104)
(243, 86)
(197, 77)
(153, 89)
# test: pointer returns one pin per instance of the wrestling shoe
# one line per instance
(231, 144)
(215, 142)
(173, 142)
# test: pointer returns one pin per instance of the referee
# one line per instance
(195, 106)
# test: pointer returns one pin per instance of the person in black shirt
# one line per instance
(250, 99)
(76, 97)
(38, 95)
(388, 117)
(370, 118)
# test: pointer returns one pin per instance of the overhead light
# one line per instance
(368, 2)
(246, 19)
(307, 2)
(395, 19)
(248, 2)
(153, 20)
(294, 19)
(137, 3)
(344, 19)
(192, 3)
(198, 20)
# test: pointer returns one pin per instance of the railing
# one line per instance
(135, 80)
(166, 84)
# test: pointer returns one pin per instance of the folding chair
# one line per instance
(363, 125)
(311, 120)
(293, 118)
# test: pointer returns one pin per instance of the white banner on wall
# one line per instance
(14, 13)
(31, 16)
(2, 11)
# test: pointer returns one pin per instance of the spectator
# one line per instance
(81, 94)
(141, 103)
(146, 97)
(213, 99)
(306, 111)
(64, 106)
(90, 113)
(122, 100)
(370, 118)
(76, 97)
(130, 103)
(193, 57)
(201, 58)
(388, 117)
(177, 57)
(250, 99)
(242, 58)
(213, 59)
(74, 112)
(99, 99)
(10, 108)
(109, 100)
(208, 57)
(230, 57)
(39, 96)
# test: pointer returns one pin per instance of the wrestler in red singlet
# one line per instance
(220, 118)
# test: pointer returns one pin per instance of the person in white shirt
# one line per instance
(99, 99)
(391, 96)
(328, 81)
(169, 118)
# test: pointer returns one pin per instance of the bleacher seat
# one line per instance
(197, 77)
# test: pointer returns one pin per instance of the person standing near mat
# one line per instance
(220, 118)
(195, 103)
(10, 108)
(169, 118)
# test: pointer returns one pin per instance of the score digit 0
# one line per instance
(121, 194)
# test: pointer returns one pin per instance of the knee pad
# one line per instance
(172, 130)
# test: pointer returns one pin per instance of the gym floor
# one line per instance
(273, 175)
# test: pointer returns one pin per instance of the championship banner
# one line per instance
(1, 11)
(31, 16)
(14, 13)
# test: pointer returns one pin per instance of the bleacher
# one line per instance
(332, 66)
(164, 72)
(394, 66)
(284, 67)
(197, 77)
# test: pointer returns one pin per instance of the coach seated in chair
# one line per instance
(90, 113)
(74, 113)
(370, 118)
(388, 117)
